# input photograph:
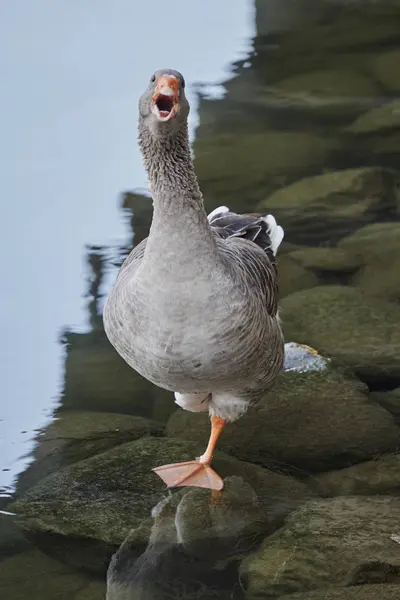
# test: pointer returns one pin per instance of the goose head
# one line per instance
(163, 107)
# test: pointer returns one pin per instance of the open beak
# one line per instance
(165, 99)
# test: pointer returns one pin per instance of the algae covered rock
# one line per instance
(378, 119)
(77, 435)
(340, 201)
(344, 323)
(102, 498)
(335, 542)
(360, 592)
(239, 168)
(311, 420)
(326, 260)
(293, 276)
(379, 476)
(34, 575)
(390, 401)
(12, 538)
(376, 246)
(385, 67)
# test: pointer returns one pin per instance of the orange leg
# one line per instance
(198, 472)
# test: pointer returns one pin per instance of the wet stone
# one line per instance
(379, 476)
(360, 592)
(76, 435)
(349, 326)
(336, 542)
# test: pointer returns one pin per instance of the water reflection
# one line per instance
(308, 128)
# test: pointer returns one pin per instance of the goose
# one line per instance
(194, 308)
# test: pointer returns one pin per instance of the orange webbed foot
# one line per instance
(191, 473)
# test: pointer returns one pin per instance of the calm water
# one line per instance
(295, 111)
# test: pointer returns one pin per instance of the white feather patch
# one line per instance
(275, 232)
(218, 211)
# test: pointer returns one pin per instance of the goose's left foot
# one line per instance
(196, 473)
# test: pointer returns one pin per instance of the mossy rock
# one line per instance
(390, 402)
(344, 323)
(359, 592)
(379, 476)
(239, 168)
(326, 260)
(97, 378)
(335, 542)
(338, 202)
(309, 421)
(293, 276)
(77, 435)
(34, 575)
(378, 119)
(330, 91)
(102, 498)
(376, 247)
(385, 68)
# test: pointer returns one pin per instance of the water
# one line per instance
(280, 92)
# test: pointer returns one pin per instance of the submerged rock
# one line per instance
(378, 119)
(359, 592)
(193, 547)
(347, 325)
(311, 421)
(341, 200)
(330, 91)
(241, 167)
(34, 575)
(77, 435)
(385, 67)
(336, 542)
(99, 500)
(380, 476)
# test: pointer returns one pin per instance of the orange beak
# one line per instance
(165, 99)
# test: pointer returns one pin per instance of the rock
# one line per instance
(378, 119)
(390, 401)
(293, 276)
(233, 169)
(323, 261)
(380, 476)
(376, 246)
(330, 91)
(34, 575)
(345, 324)
(341, 201)
(77, 435)
(311, 421)
(360, 592)
(385, 67)
(336, 542)
(99, 500)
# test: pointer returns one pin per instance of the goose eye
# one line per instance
(153, 78)
(183, 83)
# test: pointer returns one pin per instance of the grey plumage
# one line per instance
(195, 306)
